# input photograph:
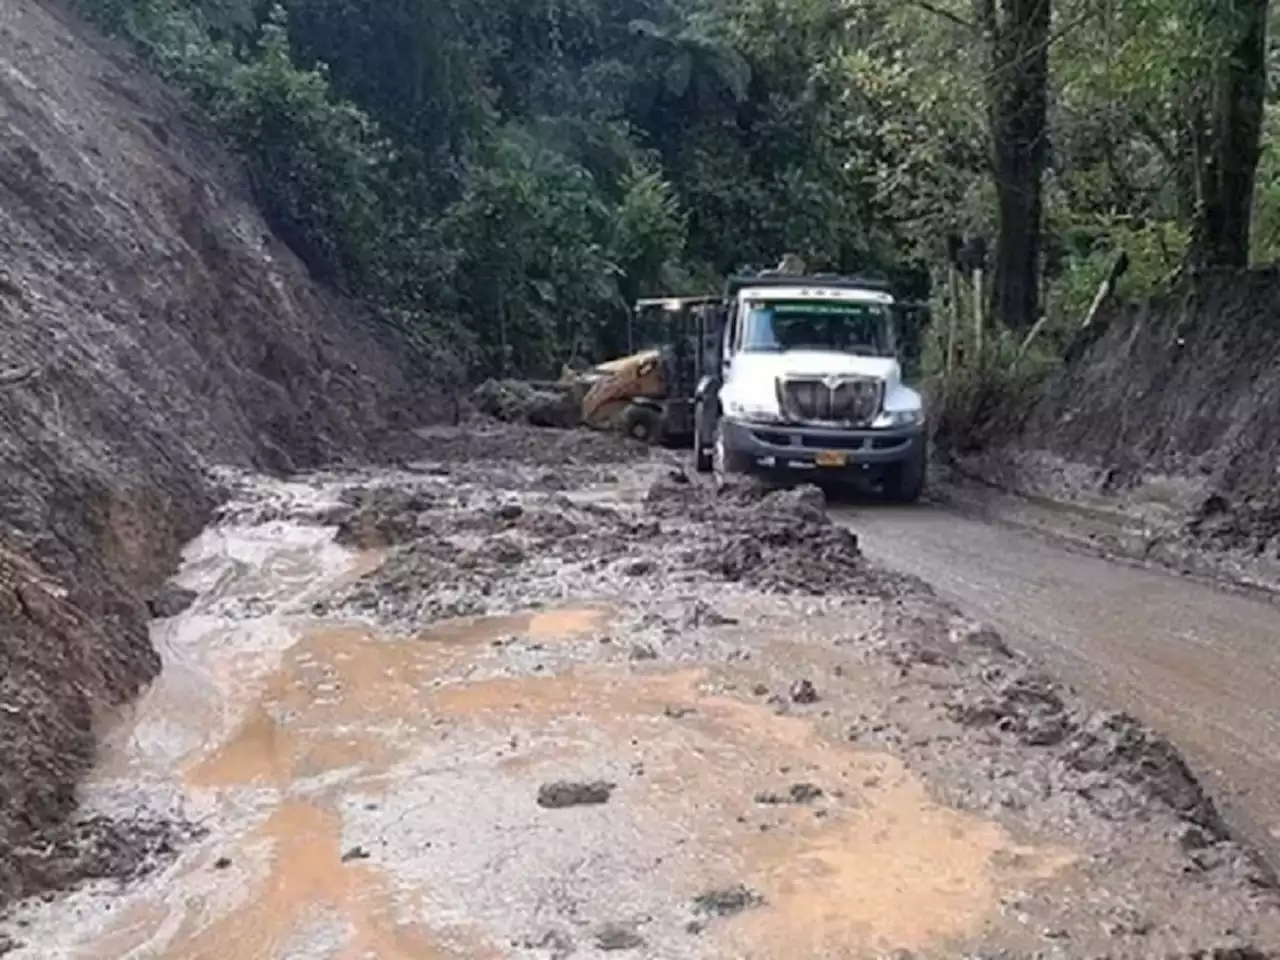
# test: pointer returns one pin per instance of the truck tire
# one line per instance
(642, 423)
(701, 455)
(904, 482)
(726, 462)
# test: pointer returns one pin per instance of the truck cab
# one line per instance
(810, 386)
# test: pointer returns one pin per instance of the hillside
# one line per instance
(152, 327)
(1167, 420)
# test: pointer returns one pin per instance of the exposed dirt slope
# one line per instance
(150, 326)
(1169, 417)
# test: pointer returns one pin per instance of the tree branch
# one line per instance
(944, 13)
(852, 10)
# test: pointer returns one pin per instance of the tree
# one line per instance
(1018, 38)
(1229, 145)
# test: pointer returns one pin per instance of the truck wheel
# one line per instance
(701, 455)
(724, 461)
(642, 423)
(904, 482)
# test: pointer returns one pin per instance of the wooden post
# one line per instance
(977, 316)
(953, 317)
(1106, 288)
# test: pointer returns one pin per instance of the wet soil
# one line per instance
(1162, 423)
(150, 325)
(636, 714)
(1198, 663)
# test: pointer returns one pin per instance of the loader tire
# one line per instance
(642, 423)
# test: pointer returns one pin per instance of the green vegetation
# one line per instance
(504, 176)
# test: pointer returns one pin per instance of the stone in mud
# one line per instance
(617, 936)
(1017, 702)
(804, 692)
(726, 902)
(567, 793)
(798, 793)
(170, 601)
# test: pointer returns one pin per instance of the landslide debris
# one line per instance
(151, 327)
(479, 541)
(927, 695)
(521, 402)
(474, 538)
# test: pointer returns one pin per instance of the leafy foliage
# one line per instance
(507, 175)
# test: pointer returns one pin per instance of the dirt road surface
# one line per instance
(542, 696)
(1197, 663)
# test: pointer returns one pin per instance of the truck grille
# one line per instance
(854, 401)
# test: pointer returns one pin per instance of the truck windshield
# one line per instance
(845, 326)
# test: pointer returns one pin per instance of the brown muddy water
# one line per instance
(374, 790)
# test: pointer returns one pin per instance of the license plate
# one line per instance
(831, 458)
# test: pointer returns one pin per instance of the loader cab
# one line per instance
(687, 330)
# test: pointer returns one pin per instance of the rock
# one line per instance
(566, 793)
(617, 936)
(727, 902)
(804, 692)
(798, 793)
(170, 601)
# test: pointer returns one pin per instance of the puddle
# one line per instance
(308, 877)
(882, 867)
(372, 796)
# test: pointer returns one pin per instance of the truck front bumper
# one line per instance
(825, 449)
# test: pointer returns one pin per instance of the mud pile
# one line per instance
(479, 541)
(518, 401)
(150, 326)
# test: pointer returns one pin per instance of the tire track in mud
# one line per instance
(1200, 664)
(801, 754)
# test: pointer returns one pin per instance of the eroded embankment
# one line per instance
(1164, 425)
(673, 720)
(150, 325)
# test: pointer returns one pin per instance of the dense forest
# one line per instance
(502, 177)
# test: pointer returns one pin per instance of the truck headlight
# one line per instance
(751, 411)
(903, 418)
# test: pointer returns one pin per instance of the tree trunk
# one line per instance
(1231, 145)
(1017, 91)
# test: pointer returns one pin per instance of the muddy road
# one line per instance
(1197, 663)
(541, 695)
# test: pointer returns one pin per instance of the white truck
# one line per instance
(809, 385)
